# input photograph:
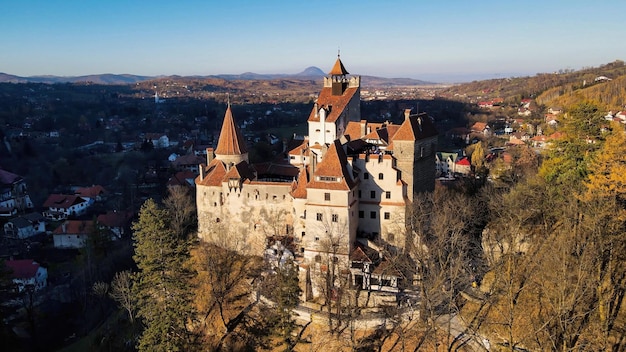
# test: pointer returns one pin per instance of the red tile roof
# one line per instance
(353, 129)
(299, 191)
(334, 164)
(231, 141)
(338, 69)
(358, 255)
(415, 127)
(335, 103)
(181, 178)
(8, 178)
(22, 268)
(215, 172)
(75, 227)
(90, 192)
(62, 201)
(115, 218)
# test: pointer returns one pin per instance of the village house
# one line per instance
(481, 128)
(91, 194)
(13, 194)
(158, 140)
(61, 206)
(117, 222)
(25, 226)
(27, 274)
(72, 233)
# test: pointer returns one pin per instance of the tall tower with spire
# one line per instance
(231, 146)
(338, 103)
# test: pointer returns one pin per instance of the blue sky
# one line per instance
(444, 40)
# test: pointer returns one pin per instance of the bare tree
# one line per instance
(181, 209)
(121, 290)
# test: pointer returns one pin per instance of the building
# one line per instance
(27, 273)
(13, 194)
(60, 206)
(25, 226)
(73, 233)
(348, 185)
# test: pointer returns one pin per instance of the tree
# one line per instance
(443, 246)
(221, 295)
(286, 294)
(122, 292)
(161, 284)
(478, 157)
(181, 210)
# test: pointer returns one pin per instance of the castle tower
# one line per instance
(231, 146)
(331, 207)
(414, 147)
(338, 103)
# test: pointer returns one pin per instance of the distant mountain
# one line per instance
(310, 73)
(107, 78)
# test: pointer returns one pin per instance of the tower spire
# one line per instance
(231, 145)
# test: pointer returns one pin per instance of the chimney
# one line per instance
(210, 155)
(201, 168)
(363, 123)
(407, 114)
(64, 226)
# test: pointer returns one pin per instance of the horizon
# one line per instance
(442, 43)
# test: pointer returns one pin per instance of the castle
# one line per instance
(345, 192)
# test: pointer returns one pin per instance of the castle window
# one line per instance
(359, 193)
(303, 233)
(318, 258)
(387, 215)
(335, 260)
(366, 176)
(388, 194)
(361, 214)
(372, 194)
(319, 216)
(317, 238)
(380, 176)
(372, 215)
(335, 217)
(390, 237)
(327, 196)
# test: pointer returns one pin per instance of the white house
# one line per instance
(60, 206)
(115, 221)
(159, 140)
(25, 226)
(72, 234)
(13, 194)
(27, 273)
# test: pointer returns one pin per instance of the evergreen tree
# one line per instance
(161, 284)
(287, 294)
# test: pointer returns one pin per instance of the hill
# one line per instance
(311, 73)
(603, 85)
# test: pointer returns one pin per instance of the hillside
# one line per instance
(603, 85)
